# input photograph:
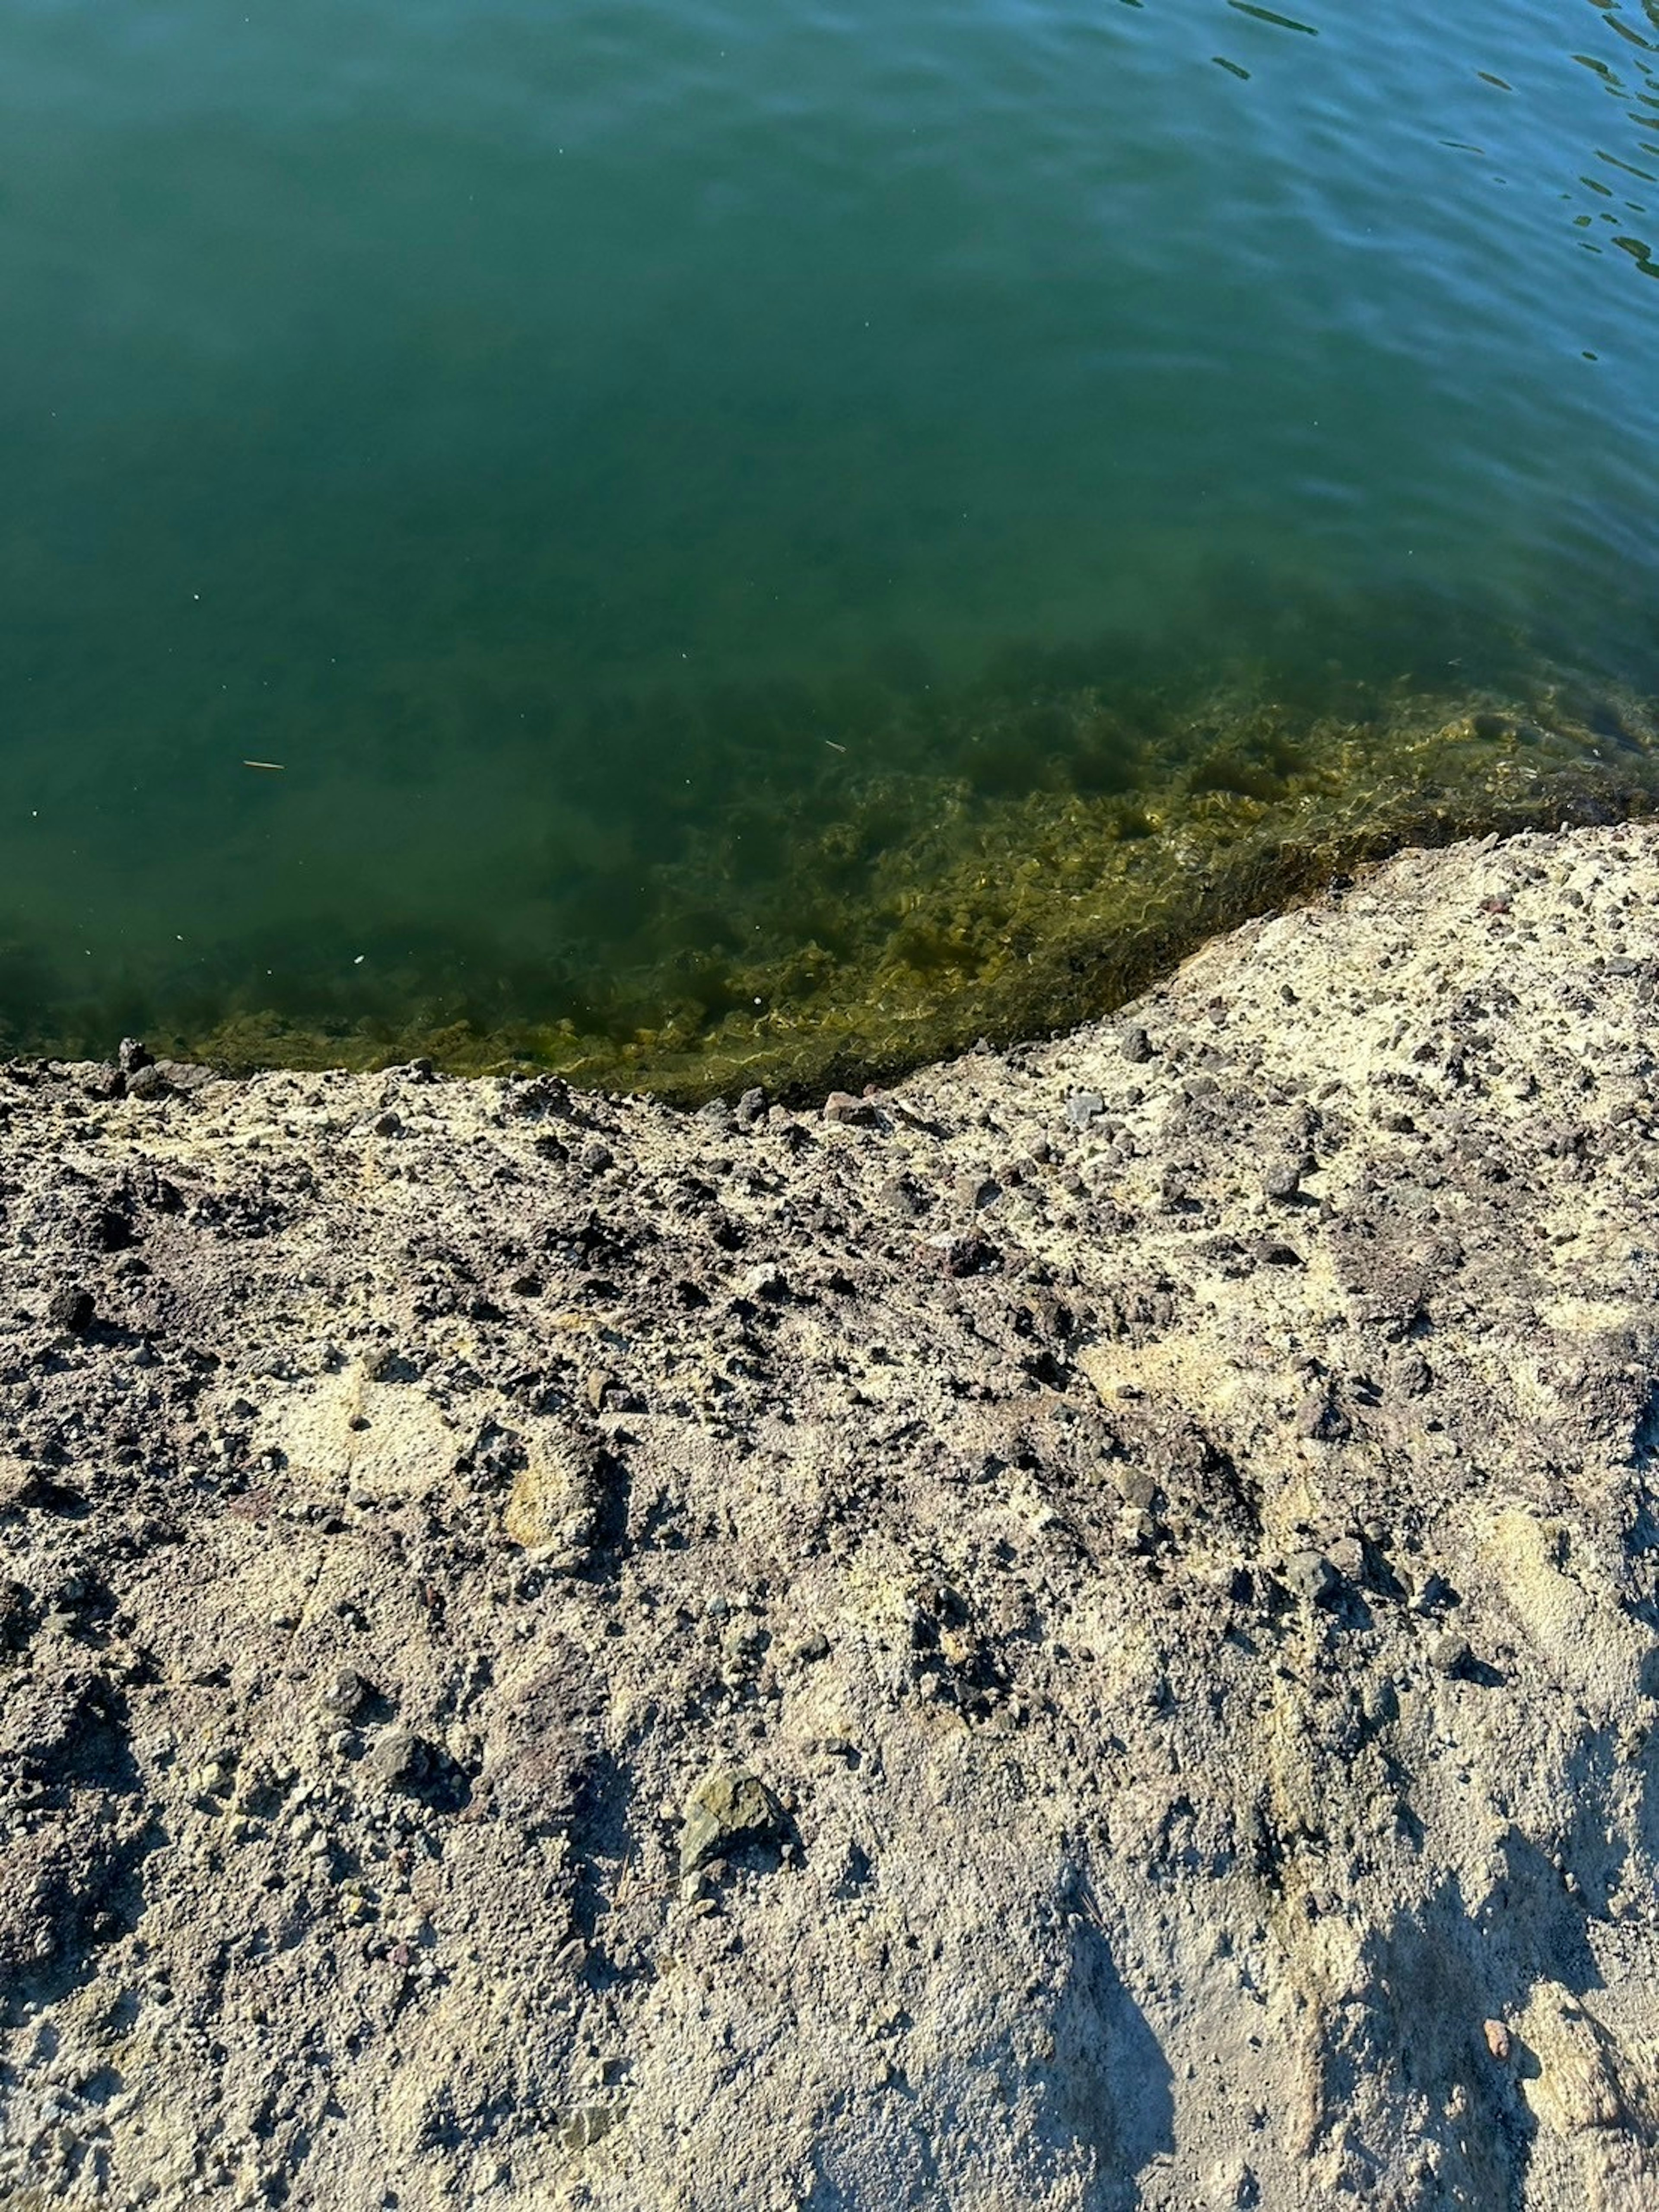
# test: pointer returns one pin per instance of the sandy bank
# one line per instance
(1078, 1634)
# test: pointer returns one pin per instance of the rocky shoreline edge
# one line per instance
(1081, 1632)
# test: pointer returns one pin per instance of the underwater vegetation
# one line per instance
(800, 884)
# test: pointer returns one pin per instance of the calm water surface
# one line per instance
(621, 460)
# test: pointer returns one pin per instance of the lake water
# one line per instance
(764, 540)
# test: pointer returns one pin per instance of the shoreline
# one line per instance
(1081, 1632)
(1007, 862)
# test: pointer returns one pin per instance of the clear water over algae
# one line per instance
(881, 872)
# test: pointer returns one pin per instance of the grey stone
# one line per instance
(1451, 1654)
(1136, 1485)
(978, 1192)
(347, 1694)
(400, 1759)
(183, 1075)
(1313, 1578)
(729, 1806)
(842, 1108)
(589, 2125)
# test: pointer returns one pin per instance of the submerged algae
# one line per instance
(1006, 859)
(926, 914)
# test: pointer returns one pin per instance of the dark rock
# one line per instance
(969, 1255)
(1136, 1485)
(1283, 1183)
(596, 1158)
(158, 1194)
(19, 1613)
(72, 1309)
(1451, 1654)
(70, 1727)
(347, 1695)
(906, 1196)
(840, 1106)
(53, 1881)
(750, 1109)
(978, 1192)
(399, 1759)
(542, 1094)
(1136, 1044)
(1320, 1418)
(133, 1055)
(1413, 1375)
(1313, 1579)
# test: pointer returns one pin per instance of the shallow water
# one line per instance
(769, 538)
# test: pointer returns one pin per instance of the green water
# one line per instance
(765, 540)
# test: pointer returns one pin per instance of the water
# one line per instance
(768, 537)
